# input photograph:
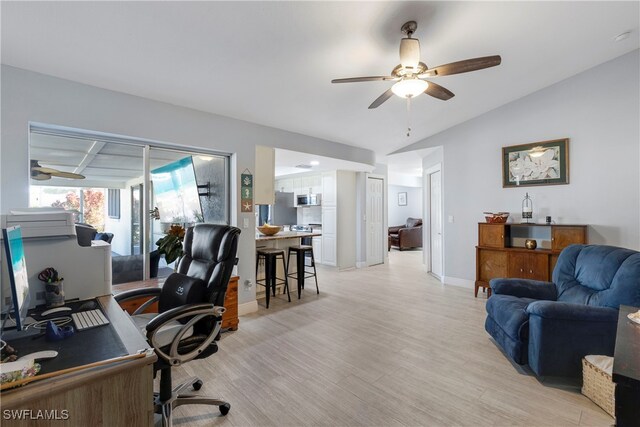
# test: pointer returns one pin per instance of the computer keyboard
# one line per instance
(89, 319)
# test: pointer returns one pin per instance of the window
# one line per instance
(87, 204)
(113, 200)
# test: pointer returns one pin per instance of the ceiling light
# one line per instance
(205, 158)
(409, 88)
(622, 36)
(314, 163)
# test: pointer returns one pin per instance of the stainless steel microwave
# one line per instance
(308, 200)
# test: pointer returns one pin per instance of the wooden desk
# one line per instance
(118, 394)
(626, 369)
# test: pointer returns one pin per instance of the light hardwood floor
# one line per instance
(381, 346)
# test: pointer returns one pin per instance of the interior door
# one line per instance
(375, 221)
(435, 220)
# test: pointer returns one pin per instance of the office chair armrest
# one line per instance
(197, 312)
(137, 293)
(152, 293)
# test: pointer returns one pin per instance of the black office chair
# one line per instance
(190, 306)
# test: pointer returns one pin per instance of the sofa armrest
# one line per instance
(410, 237)
(395, 229)
(524, 288)
(570, 311)
(561, 334)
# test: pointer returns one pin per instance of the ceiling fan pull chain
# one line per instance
(408, 117)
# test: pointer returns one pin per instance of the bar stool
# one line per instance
(301, 273)
(270, 281)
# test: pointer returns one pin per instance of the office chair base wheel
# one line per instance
(197, 385)
(224, 409)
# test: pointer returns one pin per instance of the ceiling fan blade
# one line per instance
(70, 175)
(42, 169)
(382, 98)
(439, 92)
(363, 79)
(463, 66)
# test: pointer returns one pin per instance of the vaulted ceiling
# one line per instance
(272, 62)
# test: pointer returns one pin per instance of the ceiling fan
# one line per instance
(40, 173)
(411, 74)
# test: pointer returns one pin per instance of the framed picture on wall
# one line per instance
(402, 199)
(538, 163)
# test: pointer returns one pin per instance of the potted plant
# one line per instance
(171, 244)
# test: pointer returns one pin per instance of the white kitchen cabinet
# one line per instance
(316, 242)
(329, 235)
(306, 185)
(316, 184)
(264, 176)
(285, 185)
(329, 250)
(297, 187)
(329, 189)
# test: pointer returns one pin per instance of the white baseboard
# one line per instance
(361, 264)
(463, 283)
(247, 307)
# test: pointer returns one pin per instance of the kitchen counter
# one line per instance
(286, 235)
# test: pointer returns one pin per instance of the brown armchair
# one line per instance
(406, 236)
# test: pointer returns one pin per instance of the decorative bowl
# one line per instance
(269, 230)
(18, 370)
(530, 244)
(496, 218)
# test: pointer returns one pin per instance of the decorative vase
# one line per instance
(54, 294)
(530, 244)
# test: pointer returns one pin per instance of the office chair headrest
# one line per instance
(209, 242)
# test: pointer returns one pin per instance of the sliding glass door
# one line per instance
(139, 193)
(186, 188)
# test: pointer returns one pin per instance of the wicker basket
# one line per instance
(597, 384)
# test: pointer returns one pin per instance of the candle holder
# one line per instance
(527, 209)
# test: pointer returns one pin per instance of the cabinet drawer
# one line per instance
(492, 235)
(563, 236)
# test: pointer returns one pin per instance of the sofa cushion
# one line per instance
(510, 314)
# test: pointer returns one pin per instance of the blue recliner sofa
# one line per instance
(551, 326)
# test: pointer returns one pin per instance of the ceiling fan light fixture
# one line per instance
(409, 88)
(410, 53)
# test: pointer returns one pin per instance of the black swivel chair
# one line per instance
(190, 306)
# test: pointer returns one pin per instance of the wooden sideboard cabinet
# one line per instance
(230, 316)
(501, 252)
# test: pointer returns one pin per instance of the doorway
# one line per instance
(375, 221)
(434, 207)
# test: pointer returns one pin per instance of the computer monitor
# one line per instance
(17, 273)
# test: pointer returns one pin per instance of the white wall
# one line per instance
(599, 110)
(398, 214)
(33, 97)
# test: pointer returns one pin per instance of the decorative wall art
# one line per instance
(402, 199)
(246, 191)
(538, 163)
